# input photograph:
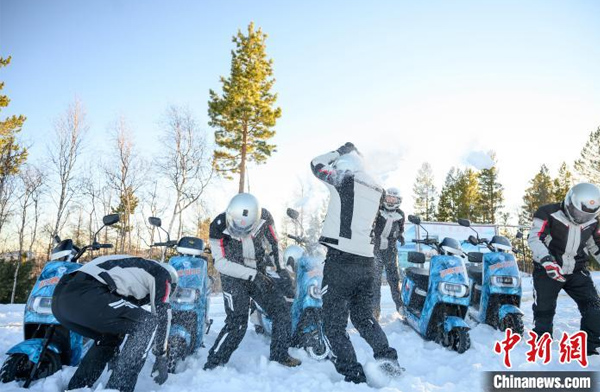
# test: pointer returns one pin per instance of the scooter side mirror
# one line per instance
(416, 257)
(519, 234)
(475, 257)
(414, 219)
(472, 240)
(464, 222)
(154, 221)
(293, 213)
(111, 219)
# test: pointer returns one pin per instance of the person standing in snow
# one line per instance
(349, 270)
(102, 301)
(389, 229)
(562, 239)
(239, 239)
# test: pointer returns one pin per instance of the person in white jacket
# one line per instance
(348, 276)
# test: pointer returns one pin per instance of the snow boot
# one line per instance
(391, 367)
(288, 361)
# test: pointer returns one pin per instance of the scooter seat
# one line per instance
(476, 272)
(420, 276)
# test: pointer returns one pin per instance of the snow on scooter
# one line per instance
(306, 308)
(47, 345)
(435, 300)
(190, 301)
(495, 282)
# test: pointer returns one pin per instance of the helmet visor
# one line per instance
(238, 229)
(392, 200)
(579, 216)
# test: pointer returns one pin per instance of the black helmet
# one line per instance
(451, 247)
(500, 244)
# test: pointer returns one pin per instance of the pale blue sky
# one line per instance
(406, 81)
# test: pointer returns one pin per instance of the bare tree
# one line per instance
(151, 200)
(7, 192)
(125, 175)
(69, 131)
(186, 162)
(31, 181)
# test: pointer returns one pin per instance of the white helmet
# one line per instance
(392, 199)
(582, 203)
(292, 254)
(242, 214)
(351, 162)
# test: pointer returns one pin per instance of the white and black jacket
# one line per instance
(242, 257)
(142, 282)
(389, 228)
(570, 244)
(353, 205)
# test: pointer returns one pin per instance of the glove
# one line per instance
(553, 270)
(264, 283)
(346, 149)
(160, 370)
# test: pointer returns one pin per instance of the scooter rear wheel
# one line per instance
(514, 322)
(17, 367)
(317, 348)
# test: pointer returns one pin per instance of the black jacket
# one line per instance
(242, 258)
(388, 228)
(570, 244)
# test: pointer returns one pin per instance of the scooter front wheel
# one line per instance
(17, 367)
(175, 353)
(460, 341)
(318, 348)
(514, 322)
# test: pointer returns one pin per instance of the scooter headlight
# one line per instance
(184, 295)
(314, 291)
(454, 289)
(505, 281)
(41, 305)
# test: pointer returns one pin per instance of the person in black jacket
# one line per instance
(242, 239)
(102, 301)
(349, 270)
(389, 229)
(562, 239)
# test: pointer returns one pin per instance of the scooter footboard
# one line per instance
(452, 322)
(33, 348)
(508, 309)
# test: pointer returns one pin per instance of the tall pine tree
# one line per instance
(588, 165)
(244, 113)
(540, 192)
(491, 193)
(424, 193)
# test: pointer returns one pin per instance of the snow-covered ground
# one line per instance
(429, 367)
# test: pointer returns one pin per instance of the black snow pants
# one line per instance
(578, 286)
(348, 290)
(87, 306)
(387, 259)
(236, 295)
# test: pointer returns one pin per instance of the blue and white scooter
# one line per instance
(47, 345)
(495, 283)
(435, 301)
(307, 304)
(190, 302)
